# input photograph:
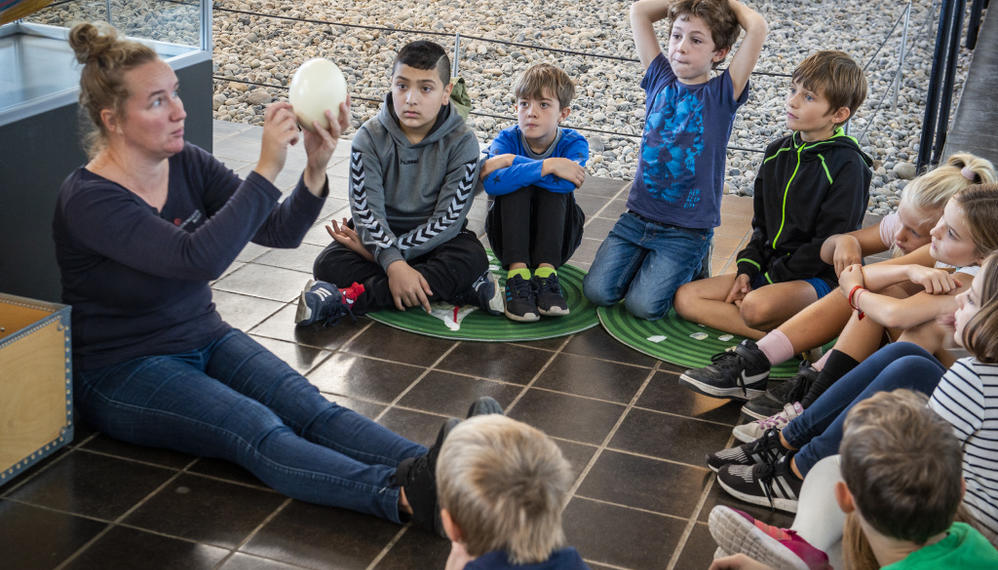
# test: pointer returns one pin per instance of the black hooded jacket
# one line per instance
(804, 192)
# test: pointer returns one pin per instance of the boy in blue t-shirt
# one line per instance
(662, 239)
(531, 173)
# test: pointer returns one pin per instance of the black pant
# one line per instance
(534, 226)
(450, 269)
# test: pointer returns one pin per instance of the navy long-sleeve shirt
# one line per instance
(138, 278)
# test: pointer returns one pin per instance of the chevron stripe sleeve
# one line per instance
(367, 205)
(453, 203)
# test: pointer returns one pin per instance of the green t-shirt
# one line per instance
(963, 548)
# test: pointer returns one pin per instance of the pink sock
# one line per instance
(821, 361)
(776, 346)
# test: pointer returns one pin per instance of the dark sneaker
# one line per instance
(779, 394)
(322, 302)
(487, 294)
(418, 476)
(735, 531)
(484, 405)
(767, 484)
(739, 372)
(521, 302)
(550, 300)
(763, 450)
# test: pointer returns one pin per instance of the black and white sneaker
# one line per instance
(779, 394)
(550, 300)
(418, 476)
(521, 300)
(763, 450)
(739, 372)
(767, 484)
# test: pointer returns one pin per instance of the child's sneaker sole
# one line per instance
(553, 312)
(304, 313)
(527, 318)
(735, 393)
(734, 533)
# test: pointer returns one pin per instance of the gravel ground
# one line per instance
(259, 44)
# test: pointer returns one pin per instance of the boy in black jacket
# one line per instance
(812, 184)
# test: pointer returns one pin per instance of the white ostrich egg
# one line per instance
(316, 86)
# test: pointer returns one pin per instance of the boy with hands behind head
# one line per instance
(662, 240)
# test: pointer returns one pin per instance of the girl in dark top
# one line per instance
(140, 230)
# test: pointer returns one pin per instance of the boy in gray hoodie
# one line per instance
(413, 170)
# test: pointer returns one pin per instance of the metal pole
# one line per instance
(932, 94)
(974, 23)
(206, 38)
(107, 4)
(457, 54)
(942, 125)
(904, 43)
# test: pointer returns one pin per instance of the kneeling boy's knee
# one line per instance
(647, 309)
(598, 293)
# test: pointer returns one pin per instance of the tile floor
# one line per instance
(636, 440)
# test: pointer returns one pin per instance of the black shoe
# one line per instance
(418, 476)
(521, 301)
(484, 405)
(766, 449)
(740, 372)
(771, 485)
(779, 394)
(550, 300)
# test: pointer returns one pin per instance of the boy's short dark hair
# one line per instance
(835, 76)
(903, 465)
(537, 78)
(717, 14)
(424, 54)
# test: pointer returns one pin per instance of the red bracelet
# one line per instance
(853, 299)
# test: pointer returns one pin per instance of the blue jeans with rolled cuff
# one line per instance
(235, 400)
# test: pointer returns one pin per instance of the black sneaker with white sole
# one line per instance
(418, 477)
(740, 372)
(765, 449)
(779, 394)
(521, 300)
(767, 484)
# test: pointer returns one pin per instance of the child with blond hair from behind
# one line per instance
(502, 487)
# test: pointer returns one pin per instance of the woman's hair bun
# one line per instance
(90, 43)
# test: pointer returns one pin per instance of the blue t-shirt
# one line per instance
(564, 559)
(680, 175)
(526, 167)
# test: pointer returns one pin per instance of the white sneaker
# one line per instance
(752, 431)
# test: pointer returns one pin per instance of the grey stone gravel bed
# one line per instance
(254, 47)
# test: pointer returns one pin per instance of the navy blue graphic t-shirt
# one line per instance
(680, 173)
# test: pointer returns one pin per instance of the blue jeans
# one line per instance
(818, 431)
(235, 400)
(644, 262)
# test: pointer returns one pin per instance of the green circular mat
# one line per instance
(670, 339)
(476, 324)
